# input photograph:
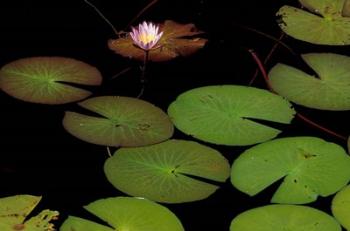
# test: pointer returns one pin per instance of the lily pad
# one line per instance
(123, 213)
(177, 40)
(165, 172)
(330, 90)
(15, 209)
(326, 18)
(283, 218)
(310, 167)
(341, 207)
(225, 114)
(119, 121)
(46, 79)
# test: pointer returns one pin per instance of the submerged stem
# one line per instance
(102, 16)
(143, 10)
(298, 115)
(267, 58)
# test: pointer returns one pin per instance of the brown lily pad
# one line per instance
(177, 40)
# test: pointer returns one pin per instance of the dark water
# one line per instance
(38, 157)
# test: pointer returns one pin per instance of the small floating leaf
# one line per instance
(177, 40)
(341, 207)
(225, 114)
(330, 91)
(311, 167)
(326, 19)
(283, 218)
(15, 209)
(46, 79)
(123, 213)
(163, 172)
(120, 121)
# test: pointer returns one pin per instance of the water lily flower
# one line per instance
(146, 36)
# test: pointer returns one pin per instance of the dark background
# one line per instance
(38, 157)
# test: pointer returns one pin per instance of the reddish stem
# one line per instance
(261, 68)
(267, 58)
(300, 116)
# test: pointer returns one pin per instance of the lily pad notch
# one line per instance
(125, 213)
(119, 121)
(310, 166)
(48, 80)
(328, 18)
(174, 171)
(227, 114)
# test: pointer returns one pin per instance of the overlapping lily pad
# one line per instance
(330, 90)
(225, 114)
(165, 172)
(325, 23)
(124, 214)
(311, 167)
(119, 121)
(283, 218)
(341, 207)
(177, 40)
(15, 209)
(47, 80)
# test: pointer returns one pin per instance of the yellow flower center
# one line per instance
(146, 38)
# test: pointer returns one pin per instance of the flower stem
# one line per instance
(143, 79)
(298, 115)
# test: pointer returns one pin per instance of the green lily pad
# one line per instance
(330, 90)
(223, 114)
(326, 18)
(177, 40)
(119, 121)
(15, 209)
(341, 207)
(311, 167)
(124, 214)
(284, 218)
(46, 79)
(164, 172)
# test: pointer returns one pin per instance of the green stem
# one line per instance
(143, 79)
(109, 151)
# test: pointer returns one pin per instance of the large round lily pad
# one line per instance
(177, 40)
(330, 90)
(310, 167)
(125, 214)
(341, 207)
(46, 79)
(284, 218)
(225, 114)
(326, 23)
(164, 172)
(119, 121)
(15, 209)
